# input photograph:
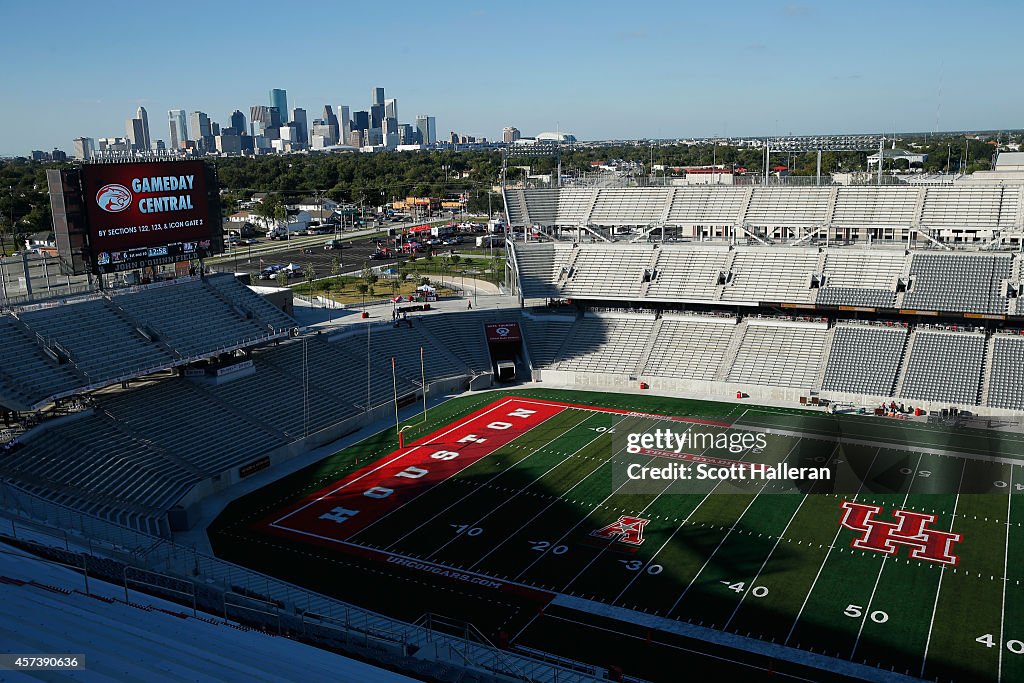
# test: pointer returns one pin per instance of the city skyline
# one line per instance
(756, 69)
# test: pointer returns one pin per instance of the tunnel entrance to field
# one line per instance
(505, 344)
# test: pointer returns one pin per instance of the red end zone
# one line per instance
(339, 511)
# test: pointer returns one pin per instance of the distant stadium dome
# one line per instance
(555, 137)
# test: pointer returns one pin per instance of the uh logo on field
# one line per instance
(911, 529)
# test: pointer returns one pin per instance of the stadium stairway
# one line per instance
(649, 347)
(986, 370)
(826, 353)
(904, 364)
(731, 352)
(241, 415)
(442, 347)
(129, 319)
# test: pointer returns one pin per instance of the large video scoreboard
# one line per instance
(123, 216)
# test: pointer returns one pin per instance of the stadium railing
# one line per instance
(61, 526)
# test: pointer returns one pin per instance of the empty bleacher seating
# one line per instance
(963, 207)
(178, 417)
(780, 354)
(624, 206)
(463, 334)
(861, 277)
(767, 274)
(944, 366)
(969, 283)
(539, 268)
(690, 347)
(707, 206)
(92, 464)
(788, 206)
(614, 271)
(544, 335)
(28, 375)
(100, 344)
(688, 272)
(605, 344)
(249, 302)
(1006, 390)
(884, 207)
(865, 359)
(189, 318)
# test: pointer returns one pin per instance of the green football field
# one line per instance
(758, 559)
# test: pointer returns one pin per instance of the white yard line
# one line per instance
(807, 597)
(527, 568)
(385, 464)
(653, 501)
(454, 475)
(546, 508)
(508, 500)
(724, 538)
(771, 552)
(881, 569)
(942, 573)
(1006, 577)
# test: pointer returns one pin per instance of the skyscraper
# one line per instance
(238, 123)
(510, 134)
(361, 120)
(279, 99)
(377, 97)
(85, 148)
(179, 131)
(376, 116)
(389, 126)
(427, 126)
(200, 125)
(299, 123)
(344, 123)
(136, 136)
(147, 141)
(263, 118)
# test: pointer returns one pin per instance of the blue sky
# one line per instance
(597, 69)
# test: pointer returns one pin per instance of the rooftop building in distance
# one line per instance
(85, 148)
(427, 127)
(279, 99)
(147, 141)
(178, 128)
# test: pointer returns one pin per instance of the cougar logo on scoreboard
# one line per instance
(114, 198)
(624, 530)
(911, 529)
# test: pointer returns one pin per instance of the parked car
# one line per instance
(269, 272)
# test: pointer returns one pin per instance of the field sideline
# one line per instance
(508, 525)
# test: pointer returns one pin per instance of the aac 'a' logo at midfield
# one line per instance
(114, 198)
(625, 529)
(910, 529)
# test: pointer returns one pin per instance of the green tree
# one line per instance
(281, 278)
(335, 267)
(310, 273)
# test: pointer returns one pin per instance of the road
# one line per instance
(358, 248)
(251, 258)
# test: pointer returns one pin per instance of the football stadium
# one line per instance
(759, 431)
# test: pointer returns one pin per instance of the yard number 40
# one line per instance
(1014, 646)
